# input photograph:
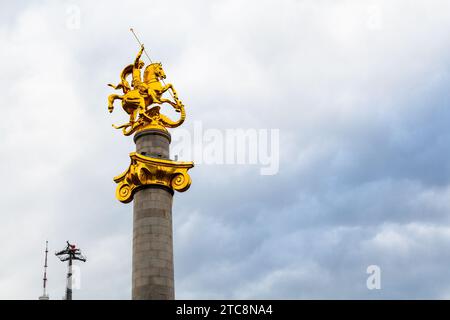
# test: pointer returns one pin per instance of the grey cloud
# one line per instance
(364, 141)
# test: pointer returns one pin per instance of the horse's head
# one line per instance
(153, 71)
(159, 71)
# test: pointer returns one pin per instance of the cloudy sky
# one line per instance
(358, 89)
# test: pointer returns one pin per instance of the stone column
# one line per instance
(153, 274)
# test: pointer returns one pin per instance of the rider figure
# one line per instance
(136, 74)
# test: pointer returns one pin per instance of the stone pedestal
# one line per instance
(153, 275)
(150, 181)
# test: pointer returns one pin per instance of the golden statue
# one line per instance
(142, 100)
(139, 98)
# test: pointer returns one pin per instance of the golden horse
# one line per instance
(141, 94)
(145, 93)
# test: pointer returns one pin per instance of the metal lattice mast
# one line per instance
(45, 295)
(69, 254)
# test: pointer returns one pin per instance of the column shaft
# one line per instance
(153, 274)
